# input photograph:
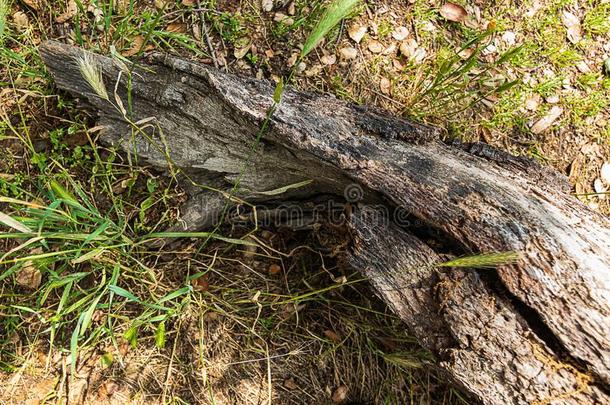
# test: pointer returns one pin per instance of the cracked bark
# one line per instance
(483, 199)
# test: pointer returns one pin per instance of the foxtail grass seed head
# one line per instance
(483, 261)
(92, 73)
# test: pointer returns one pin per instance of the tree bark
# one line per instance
(537, 331)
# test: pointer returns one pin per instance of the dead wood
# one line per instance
(537, 331)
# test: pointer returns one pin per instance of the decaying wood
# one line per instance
(535, 331)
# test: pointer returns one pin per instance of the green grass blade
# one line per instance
(338, 10)
(3, 14)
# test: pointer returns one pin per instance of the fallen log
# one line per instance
(536, 331)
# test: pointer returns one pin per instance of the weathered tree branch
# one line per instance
(538, 330)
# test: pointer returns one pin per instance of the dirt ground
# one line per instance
(287, 323)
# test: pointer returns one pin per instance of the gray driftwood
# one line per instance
(537, 331)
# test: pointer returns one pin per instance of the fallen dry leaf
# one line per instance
(453, 12)
(241, 50)
(357, 32)
(292, 60)
(200, 284)
(283, 18)
(275, 269)
(34, 4)
(386, 86)
(545, 122)
(292, 8)
(332, 336)
(176, 27)
(189, 3)
(572, 23)
(329, 59)
(400, 33)
(135, 47)
(419, 55)
(340, 394)
(21, 20)
(348, 53)
(390, 49)
(375, 46)
(290, 384)
(532, 102)
(408, 47)
(29, 276)
(70, 12)
(197, 32)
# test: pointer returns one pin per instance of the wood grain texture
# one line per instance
(483, 199)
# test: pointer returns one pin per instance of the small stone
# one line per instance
(375, 46)
(490, 49)
(509, 37)
(400, 33)
(604, 173)
(348, 53)
(301, 67)
(599, 188)
(267, 5)
(357, 32)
